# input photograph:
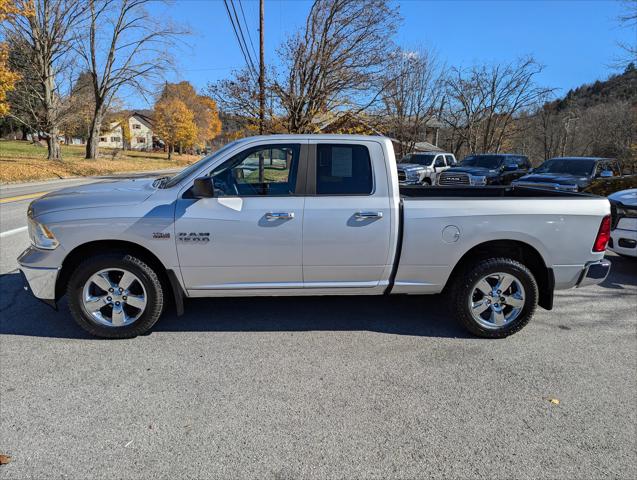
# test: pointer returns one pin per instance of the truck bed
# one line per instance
(495, 191)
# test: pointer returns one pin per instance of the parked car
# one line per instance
(329, 219)
(572, 174)
(623, 236)
(486, 169)
(422, 168)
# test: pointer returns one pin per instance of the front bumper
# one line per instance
(412, 177)
(594, 273)
(41, 282)
(623, 242)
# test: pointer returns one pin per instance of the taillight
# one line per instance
(603, 236)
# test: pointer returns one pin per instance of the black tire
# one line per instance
(427, 181)
(462, 291)
(147, 277)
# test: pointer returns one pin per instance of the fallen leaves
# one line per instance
(4, 459)
(554, 401)
(21, 161)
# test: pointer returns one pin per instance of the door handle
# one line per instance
(279, 215)
(368, 215)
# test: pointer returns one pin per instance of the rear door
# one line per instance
(249, 236)
(347, 216)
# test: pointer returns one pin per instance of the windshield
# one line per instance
(419, 159)
(485, 161)
(581, 168)
(172, 181)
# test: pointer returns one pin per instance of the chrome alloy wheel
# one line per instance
(496, 300)
(114, 297)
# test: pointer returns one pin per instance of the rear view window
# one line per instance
(343, 170)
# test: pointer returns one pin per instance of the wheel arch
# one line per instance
(81, 252)
(516, 250)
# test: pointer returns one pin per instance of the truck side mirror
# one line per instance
(606, 174)
(203, 188)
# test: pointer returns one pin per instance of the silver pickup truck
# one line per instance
(308, 215)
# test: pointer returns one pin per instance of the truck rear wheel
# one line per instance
(115, 295)
(495, 297)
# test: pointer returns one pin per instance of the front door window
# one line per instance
(264, 170)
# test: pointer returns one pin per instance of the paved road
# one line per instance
(15, 199)
(323, 388)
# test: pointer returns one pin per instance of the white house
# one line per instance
(113, 138)
(141, 134)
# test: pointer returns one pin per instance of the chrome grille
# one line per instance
(453, 178)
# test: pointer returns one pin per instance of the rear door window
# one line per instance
(343, 170)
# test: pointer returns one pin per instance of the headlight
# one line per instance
(41, 236)
(479, 180)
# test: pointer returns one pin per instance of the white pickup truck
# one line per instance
(309, 215)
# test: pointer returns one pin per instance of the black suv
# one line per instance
(572, 174)
(486, 169)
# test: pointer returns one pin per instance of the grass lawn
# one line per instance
(25, 161)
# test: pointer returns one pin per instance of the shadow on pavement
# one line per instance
(21, 314)
(623, 272)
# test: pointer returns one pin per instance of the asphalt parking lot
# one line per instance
(323, 388)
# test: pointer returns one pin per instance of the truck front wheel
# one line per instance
(495, 297)
(115, 295)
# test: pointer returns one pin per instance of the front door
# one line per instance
(250, 235)
(439, 166)
(347, 220)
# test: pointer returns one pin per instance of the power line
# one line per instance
(240, 28)
(239, 36)
(243, 14)
(236, 34)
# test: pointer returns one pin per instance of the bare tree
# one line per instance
(124, 46)
(81, 105)
(412, 96)
(628, 19)
(336, 61)
(25, 99)
(484, 101)
(548, 132)
(45, 38)
(238, 96)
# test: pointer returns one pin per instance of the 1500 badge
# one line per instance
(193, 237)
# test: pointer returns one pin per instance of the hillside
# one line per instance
(622, 87)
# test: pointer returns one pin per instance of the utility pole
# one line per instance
(261, 70)
(261, 90)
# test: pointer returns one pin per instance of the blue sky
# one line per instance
(576, 40)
